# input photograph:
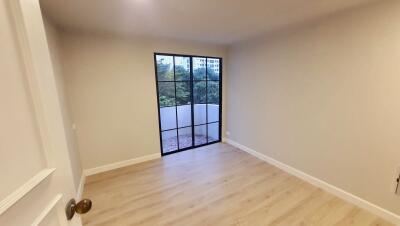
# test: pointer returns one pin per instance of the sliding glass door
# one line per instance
(189, 101)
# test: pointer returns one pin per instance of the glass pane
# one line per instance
(199, 92)
(182, 93)
(182, 68)
(199, 68)
(200, 113)
(213, 69)
(213, 132)
(166, 92)
(213, 113)
(200, 135)
(168, 118)
(213, 92)
(185, 137)
(169, 141)
(165, 68)
(184, 115)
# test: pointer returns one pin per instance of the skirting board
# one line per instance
(116, 165)
(379, 211)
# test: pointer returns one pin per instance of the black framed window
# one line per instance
(189, 95)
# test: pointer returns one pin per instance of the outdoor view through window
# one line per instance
(189, 100)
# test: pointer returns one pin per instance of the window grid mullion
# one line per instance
(191, 82)
(176, 108)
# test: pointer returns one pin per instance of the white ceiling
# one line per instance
(217, 21)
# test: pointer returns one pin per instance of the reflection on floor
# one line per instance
(171, 144)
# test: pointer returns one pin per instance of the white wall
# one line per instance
(53, 41)
(325, 99)
(111, 87)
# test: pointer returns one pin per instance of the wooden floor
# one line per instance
(214, 185)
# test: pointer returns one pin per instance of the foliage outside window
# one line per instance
(165, 72)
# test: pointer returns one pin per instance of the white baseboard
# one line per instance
(379, 211)
(117, 165)
(80, 187)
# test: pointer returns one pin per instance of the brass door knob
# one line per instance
(81, 207)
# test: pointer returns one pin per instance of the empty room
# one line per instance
(200, 113)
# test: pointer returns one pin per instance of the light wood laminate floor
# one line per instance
(213, 185)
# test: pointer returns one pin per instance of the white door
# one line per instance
(35, 168)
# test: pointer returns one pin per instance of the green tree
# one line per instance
(182, 73)
(167, 89)
(200, 89)
(212, 75)
(164, 71)
(199, 73)
(213, 92)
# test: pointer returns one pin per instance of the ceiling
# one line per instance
(216, 21)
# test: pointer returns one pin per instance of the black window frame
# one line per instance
(191, 82)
